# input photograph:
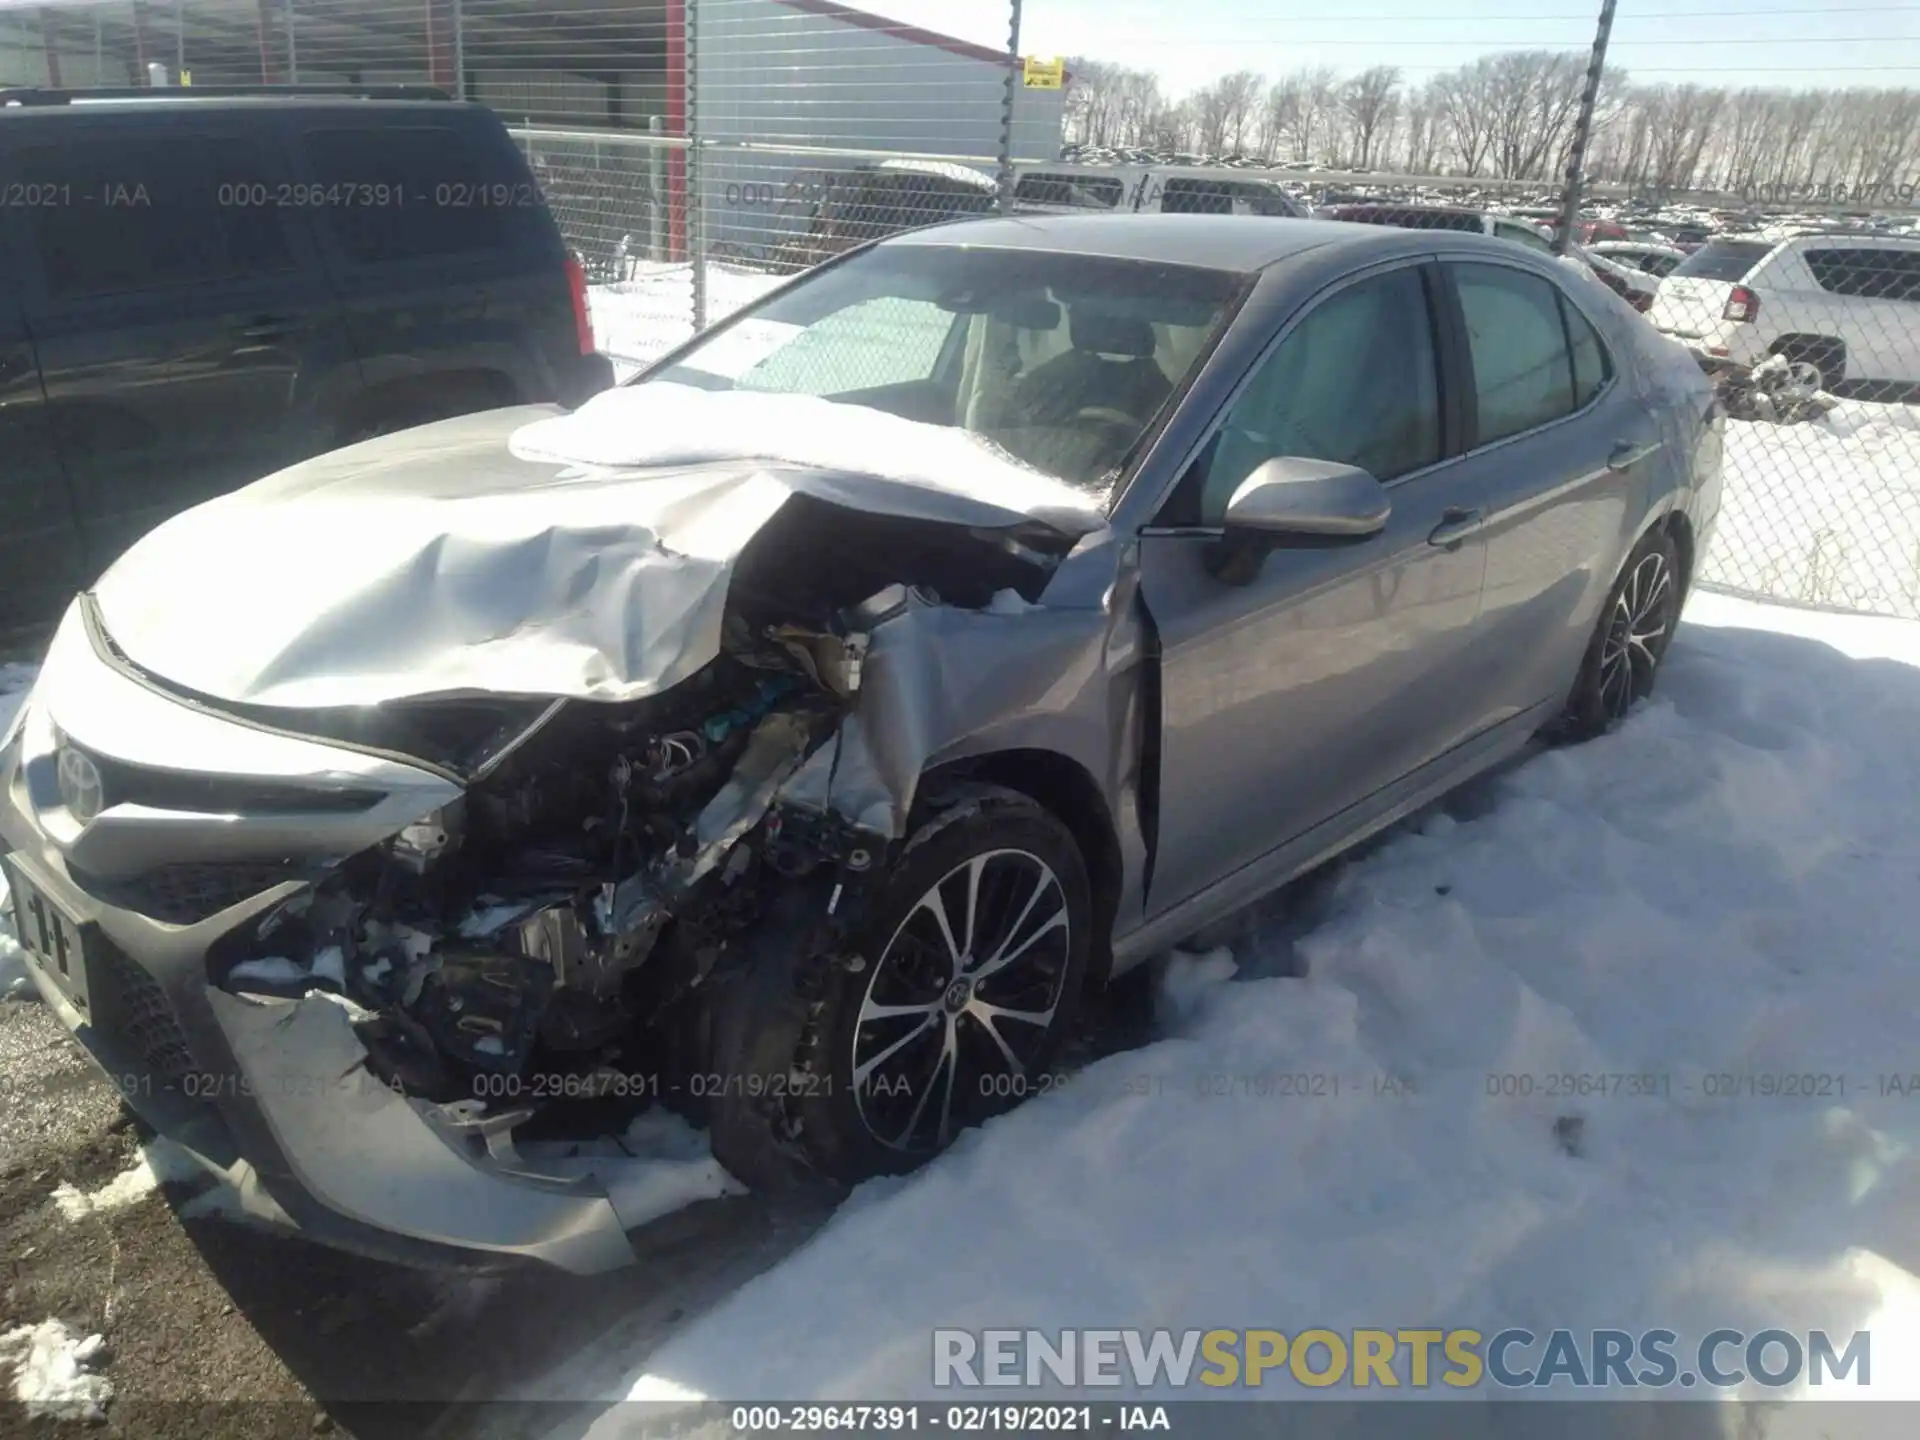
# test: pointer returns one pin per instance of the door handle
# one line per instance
(1627, 454)
(1455, 526)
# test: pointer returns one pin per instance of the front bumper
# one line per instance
(271, 1096)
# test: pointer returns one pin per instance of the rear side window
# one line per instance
(1869, 274)
(1087, 192)
(1723, 260)
(145, 213)
(1591, 366)
(1523, 367)
(411, 192)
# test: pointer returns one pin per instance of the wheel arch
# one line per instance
(1680, 527)
(1066, 789)
(1803, 340)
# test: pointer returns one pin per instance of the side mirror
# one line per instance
(1317, 502)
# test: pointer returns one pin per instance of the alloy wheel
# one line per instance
(1637, 629)
(1805, 376)
(962, 1001)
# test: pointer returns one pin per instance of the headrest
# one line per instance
(1106, 334)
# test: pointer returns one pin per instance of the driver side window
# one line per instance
(1353, 382)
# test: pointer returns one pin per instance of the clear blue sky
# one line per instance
(1762, 42)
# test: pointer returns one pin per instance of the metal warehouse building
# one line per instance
(776, 91)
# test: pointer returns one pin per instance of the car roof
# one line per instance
(1244, 243)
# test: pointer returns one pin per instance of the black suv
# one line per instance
(197, 289)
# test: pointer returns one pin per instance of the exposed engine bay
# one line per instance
(518, 932)
(542, 940)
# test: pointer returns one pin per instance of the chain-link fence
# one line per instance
(1815, 332)
(697, 152)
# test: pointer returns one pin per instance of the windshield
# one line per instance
(1063, 361)
(1723, 259)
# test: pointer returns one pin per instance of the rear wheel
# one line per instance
(1813, 363)
(1629, 641)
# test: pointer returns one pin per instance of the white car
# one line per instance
(1841, 309)
(1659, 261)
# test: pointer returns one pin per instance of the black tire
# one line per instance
(1630, 639)
(1819, 363)
(884, 1093)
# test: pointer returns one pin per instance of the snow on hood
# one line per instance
(527, 551)
(667, 424)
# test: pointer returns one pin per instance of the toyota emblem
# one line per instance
(80, 785)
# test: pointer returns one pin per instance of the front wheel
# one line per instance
(1629, 641)
(964, 983)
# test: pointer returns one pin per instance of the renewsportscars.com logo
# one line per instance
(1411, 1359)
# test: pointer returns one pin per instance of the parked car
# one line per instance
(1842, 309)
(1634, 286)
(1658, 261)
(1443, 217)
(795, 734)
(1151, 189)
(198, 290)
(869, 202)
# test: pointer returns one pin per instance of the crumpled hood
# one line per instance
(478, 555)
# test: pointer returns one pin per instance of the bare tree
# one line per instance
(1370, 101)
(1465, 102)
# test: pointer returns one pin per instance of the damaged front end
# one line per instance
(519, 943)
(428, 884)
(532, 968)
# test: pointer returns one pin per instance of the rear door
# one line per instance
(41, 559)
(1334, 671)
(183, 349)
(1564, 459)
(1870, 298)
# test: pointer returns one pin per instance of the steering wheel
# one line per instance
(1106, 415)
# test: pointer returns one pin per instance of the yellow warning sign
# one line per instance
(1045, 74)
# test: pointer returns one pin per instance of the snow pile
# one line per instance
(159, 1162)
(665, 424)
(1826, 512)
(52, 1371)
(1722, 891)
(637, 321)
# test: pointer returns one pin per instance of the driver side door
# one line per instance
(1335, 670)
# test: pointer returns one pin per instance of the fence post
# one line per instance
(293, 49)
(179, 41)
(1582, 130)
(696, 194)
(1005, 178)
(459, 50)
(657, 192)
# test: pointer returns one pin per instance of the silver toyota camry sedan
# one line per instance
(788, 740)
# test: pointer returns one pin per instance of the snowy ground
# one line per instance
(637, 321)
(1724, 887)
(1826, 512)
